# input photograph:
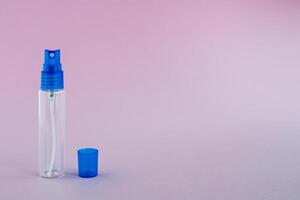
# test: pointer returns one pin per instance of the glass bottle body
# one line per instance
(51, 133)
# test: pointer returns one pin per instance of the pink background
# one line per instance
(185, 99)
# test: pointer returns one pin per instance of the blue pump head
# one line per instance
(52, 76)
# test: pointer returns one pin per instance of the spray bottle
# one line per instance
(51, 117)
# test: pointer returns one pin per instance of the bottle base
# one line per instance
(53, 174)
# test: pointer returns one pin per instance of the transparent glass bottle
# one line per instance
(51, 133)
(52, 118)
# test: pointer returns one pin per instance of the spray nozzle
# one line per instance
(52, 74)
(52, 60)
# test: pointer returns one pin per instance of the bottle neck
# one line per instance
(52, 81)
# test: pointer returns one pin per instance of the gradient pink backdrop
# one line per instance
(185, 99)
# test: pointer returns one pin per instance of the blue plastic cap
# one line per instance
(52, 76)
(87, 162)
